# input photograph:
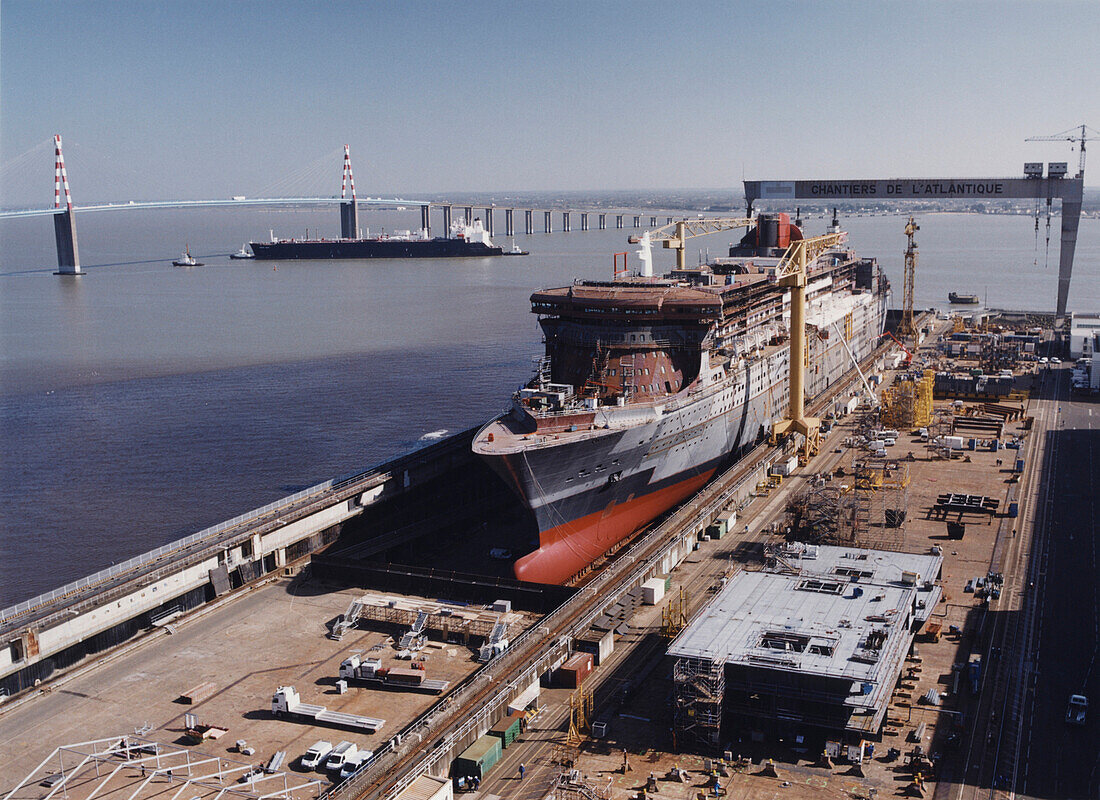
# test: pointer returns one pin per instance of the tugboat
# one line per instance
(516, 251)
(243, 253)
(963, 299)
(187, 260)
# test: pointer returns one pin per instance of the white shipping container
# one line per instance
(653, 591)
(852, 405)
(528, 696)
(954, 442)
(785, 466)
(428, 787)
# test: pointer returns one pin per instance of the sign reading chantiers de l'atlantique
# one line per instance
(882, 190)
(908, 188)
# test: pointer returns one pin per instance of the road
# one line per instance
(1060, 760)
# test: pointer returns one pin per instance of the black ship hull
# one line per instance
(963, 299)
(322, 249)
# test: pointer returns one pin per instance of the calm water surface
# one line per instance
(144, 402)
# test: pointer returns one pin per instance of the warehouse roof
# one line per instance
(837, 612)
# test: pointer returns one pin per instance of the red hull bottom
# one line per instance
(567, 549)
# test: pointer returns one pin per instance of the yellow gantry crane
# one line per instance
(792, 274)
(674, 235)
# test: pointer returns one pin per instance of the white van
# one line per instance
(340, 755)
(316, 754)
(353, 763)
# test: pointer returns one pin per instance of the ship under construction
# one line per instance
(649, 385)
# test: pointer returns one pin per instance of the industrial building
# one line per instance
(811, 646)
(1084, 332)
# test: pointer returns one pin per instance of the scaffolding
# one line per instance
(907, 404)
(824, 513)
(881, 491)
(429, 617)
(674, 616)
(862, 506)
(941, 426)
(572, 785)
(700, 688)
(143, 769)
(998, 354)
(581, 710)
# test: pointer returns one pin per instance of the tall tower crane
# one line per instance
(906, 328)
(1077, 135)
(674, 235)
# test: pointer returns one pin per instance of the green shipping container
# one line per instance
(507, 730)
(478, 758)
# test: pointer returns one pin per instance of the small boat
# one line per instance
(963, 299)
(242, 253)
(516, 251)
(187, 260)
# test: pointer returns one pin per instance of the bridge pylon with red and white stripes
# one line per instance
(64, 224)
(349, 208)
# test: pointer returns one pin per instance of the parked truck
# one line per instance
(370, 671)
(974, 672)
(287, 702)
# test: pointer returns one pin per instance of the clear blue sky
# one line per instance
(208, 99)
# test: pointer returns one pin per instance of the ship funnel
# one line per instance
(645, 255)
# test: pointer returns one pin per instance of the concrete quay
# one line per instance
(60, 629)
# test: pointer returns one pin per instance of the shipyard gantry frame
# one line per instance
(1034, 186)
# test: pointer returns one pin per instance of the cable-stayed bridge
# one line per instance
(68, 252)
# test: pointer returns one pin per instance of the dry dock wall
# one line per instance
(35, 653)
(60, 629)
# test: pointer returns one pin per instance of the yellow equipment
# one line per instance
(907, 328)
(791, 273)
(581, 711)
(674, 616)
(674, 235)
